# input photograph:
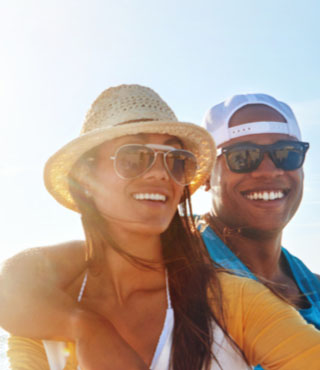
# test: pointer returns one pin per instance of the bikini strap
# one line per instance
(83, 285)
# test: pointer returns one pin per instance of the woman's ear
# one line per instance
(80, 179)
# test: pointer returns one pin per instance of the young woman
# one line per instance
(149, 297)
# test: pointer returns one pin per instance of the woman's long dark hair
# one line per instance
(192, 275)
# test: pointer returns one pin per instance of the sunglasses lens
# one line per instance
(289, 157)
(243, 160)
(182, 165)
(133, 160)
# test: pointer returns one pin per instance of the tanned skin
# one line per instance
(256, 226)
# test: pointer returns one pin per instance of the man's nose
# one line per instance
(267, 168)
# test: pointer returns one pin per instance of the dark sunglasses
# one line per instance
(133, 160)
(246, 156)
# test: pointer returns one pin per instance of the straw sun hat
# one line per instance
(108, 118)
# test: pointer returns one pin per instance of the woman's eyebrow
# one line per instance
(174, 141)
(170, 141)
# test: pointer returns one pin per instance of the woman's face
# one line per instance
(126, 203)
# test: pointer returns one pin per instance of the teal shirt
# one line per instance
(307, 282)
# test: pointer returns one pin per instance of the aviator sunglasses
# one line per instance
(133, 160)
(246, 156)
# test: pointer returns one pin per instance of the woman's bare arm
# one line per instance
(32, 287)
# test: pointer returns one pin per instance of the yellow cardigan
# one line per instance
(268, 331)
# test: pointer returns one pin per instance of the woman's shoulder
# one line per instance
(68, 257)
(60, 262)
(55, 252)
(51, 253)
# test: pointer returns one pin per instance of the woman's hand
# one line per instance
(99, 346)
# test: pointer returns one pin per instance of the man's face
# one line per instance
(236, 198)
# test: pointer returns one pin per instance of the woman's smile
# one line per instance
(156, 197)
(145, 203)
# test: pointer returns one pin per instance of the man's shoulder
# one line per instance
(318, 276)
(296, 261)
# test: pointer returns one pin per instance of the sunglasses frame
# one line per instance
(268, 148)
(161, 149)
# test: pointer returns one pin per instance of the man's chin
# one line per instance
(259, 233)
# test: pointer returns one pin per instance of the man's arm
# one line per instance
(31, 288)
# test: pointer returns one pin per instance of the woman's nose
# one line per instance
(158, 169)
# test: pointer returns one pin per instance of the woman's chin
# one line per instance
(152, 229)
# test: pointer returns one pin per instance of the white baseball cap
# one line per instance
(216, 120)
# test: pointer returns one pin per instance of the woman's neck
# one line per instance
(138, 244)
(137, 265)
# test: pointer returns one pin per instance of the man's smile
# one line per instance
(265, 195)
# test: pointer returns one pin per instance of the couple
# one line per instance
(141, 292)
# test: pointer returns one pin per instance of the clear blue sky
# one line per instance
(57, 56)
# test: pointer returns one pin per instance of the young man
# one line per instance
(256, 188)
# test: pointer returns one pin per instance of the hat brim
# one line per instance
(195, 138)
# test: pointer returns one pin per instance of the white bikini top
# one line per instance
(227, 356)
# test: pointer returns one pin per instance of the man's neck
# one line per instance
(261, 256)
(260, 251)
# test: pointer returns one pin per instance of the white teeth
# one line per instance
(265, 195)
(150, 196)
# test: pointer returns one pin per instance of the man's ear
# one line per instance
(207, 185)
